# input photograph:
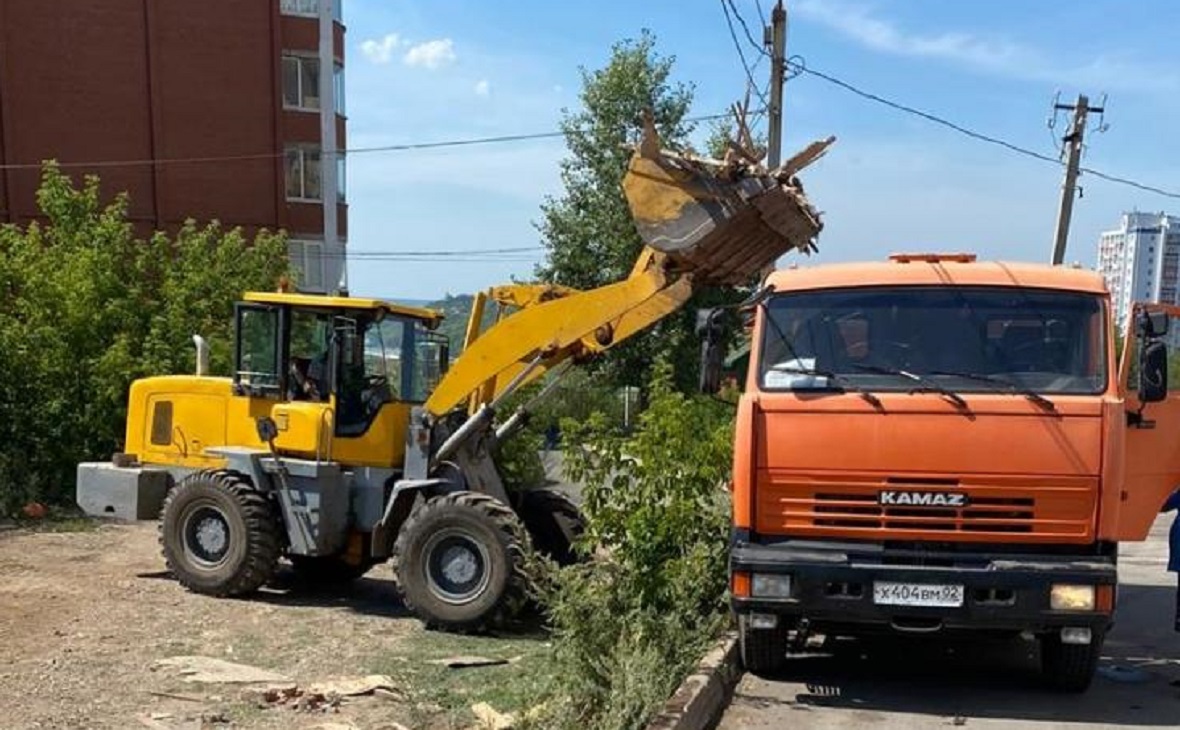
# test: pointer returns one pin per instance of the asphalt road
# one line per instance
(917, 685)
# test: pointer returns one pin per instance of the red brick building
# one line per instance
(129, 81)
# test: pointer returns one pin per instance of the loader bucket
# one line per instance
(725, 222)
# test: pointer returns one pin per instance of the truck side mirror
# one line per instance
(1154, 324)
(711, 329)
(1153, 372)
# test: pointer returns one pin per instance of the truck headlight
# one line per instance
(771, 585)
(1071, 598)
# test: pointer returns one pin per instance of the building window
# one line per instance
(341, 173)
(307, 259)
(338, 88)
(303, 173)
(311, 8)
(301, 83)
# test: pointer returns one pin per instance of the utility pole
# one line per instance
(776, 38)
(1073, 149)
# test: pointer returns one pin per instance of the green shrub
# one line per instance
(631, 622)
(85, 308)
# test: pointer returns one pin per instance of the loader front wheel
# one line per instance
(553, 522)
(219, 535)
(458, 561)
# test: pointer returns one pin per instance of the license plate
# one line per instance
(918, 594)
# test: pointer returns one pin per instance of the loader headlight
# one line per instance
(1071, 598)
(771, 585)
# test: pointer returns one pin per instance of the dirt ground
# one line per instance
(85, 615)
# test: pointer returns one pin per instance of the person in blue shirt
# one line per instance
(1173, 503)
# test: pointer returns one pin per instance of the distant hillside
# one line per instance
(457, 308)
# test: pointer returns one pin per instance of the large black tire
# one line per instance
(1070, 667)
(459, 562)
(764, 651)
(328, 570)
(219, 535)
(551, 518)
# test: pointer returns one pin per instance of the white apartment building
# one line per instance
(1140, 261)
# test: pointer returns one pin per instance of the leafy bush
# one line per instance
(631, 622)
(86, 307)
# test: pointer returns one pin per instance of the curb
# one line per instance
(698, 702)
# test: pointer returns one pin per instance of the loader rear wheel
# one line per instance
(219, 535)
(459, 560)
(551, 519)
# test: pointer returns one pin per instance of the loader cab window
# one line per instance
(373, 369)
(257, 370)
(309, 361)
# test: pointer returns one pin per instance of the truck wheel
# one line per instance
(1070, 667)
(458, 561)
(219, 535)
(551, 518)
(326, 570)
(763, 650)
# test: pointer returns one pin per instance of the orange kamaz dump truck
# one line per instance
(934, 444)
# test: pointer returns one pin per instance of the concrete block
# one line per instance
(124, 493)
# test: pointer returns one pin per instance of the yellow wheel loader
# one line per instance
(345, 437)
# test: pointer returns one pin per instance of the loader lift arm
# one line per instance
(554, 325)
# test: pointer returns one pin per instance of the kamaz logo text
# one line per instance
(922, 499)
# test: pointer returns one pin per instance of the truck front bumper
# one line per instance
(831, 585)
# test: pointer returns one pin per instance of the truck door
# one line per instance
(1151, 441)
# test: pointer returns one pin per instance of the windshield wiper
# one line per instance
(1011, 386)
(839, 381)
(923, 383)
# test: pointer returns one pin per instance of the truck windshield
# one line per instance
(960, 339)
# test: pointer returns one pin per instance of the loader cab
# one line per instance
(339, 375)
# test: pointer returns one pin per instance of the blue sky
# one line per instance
(449, 69)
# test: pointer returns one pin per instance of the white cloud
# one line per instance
(992, 55)
(381, 51)
(431, 54)
(483, 88)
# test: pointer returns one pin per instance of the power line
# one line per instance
(759, 47)
(467, 252)
(466, 142)
(726, 6)
(797, 66)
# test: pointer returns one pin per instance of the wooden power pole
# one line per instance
(777, 38)
(1073, 151)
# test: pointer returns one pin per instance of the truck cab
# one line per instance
(935, 445)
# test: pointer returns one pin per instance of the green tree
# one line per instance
(634, 619)
(86, 307)
(588, 231)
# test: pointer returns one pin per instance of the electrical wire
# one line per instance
(797, 66)
(466, 142)
(737, 45)
(759, 47)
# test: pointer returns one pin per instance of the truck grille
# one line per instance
(989, 514)
(1036, 508)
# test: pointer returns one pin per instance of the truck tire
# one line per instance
(1070, 667)
(326, 570)
(219, 535)
(763, 650)
(459, 562)
(548, 515)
